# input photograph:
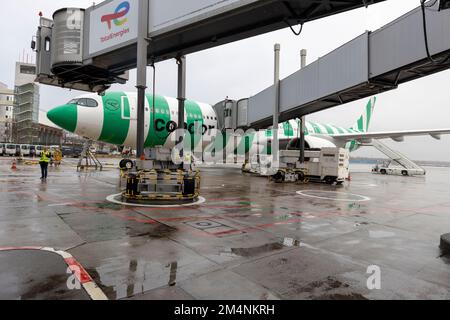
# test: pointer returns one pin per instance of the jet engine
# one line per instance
(311, 142)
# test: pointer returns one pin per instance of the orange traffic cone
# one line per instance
(14, 167)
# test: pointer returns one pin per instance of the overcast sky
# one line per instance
(244, 68)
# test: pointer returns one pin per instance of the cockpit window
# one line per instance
(91, 103)
(84, 102)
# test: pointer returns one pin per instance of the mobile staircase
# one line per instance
(88, 159)
(402, 165)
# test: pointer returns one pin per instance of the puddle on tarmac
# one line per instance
(329, 288)
(159, 231)
(254, 251)
(41, 288)
(109, 291)
(269, 247)
(173, 273)
(107, 205)
(138, 280)
(337, 296)
(358, 224)
(132, 269)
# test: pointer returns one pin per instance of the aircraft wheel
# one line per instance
(445, 244)
(126, 164)
(329, 180)
(278, 177)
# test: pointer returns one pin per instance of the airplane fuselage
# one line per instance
(111, 118)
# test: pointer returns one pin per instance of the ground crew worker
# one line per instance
(45, 159)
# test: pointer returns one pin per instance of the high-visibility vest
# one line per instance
(45, 157)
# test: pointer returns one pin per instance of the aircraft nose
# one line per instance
(64, 116)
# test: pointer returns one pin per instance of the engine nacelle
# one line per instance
(312, 142)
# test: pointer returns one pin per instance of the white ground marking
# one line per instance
(112, 199)
(90, 286)
(362, 198)
(364, 184)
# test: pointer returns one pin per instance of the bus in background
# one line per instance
(10, 150)
(39, 150)
(25, 150)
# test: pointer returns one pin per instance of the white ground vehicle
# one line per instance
(329, 165)
(388, 168)
(10, 150)
(25, 150)
(399, 165)
(2, 149)
(39, 150)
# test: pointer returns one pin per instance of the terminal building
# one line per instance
(26, 105)
(21, 121)
(6, 112)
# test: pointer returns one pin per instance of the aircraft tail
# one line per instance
(363, 122)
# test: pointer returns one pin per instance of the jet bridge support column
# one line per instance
(302, 119)
(181, 102)
(276, 112)
(157, 178)
(141, 81)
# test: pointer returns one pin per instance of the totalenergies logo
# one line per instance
(120, 12)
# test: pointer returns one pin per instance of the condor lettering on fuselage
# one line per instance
(171, 126)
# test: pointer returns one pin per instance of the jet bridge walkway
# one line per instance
(370, 64)
(397, 157)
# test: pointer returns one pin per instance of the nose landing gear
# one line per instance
(126, 164)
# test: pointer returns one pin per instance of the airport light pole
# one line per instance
(303, 54)
(141, 81)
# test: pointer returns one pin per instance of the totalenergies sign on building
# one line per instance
(113, 24)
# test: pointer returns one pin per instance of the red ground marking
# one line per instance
(78, 270)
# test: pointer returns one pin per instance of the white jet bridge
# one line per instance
(372, 63)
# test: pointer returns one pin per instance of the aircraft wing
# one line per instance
(366, 137)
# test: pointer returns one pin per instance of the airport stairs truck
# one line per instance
(400, 164)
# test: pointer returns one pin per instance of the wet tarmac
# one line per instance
(250, 239)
